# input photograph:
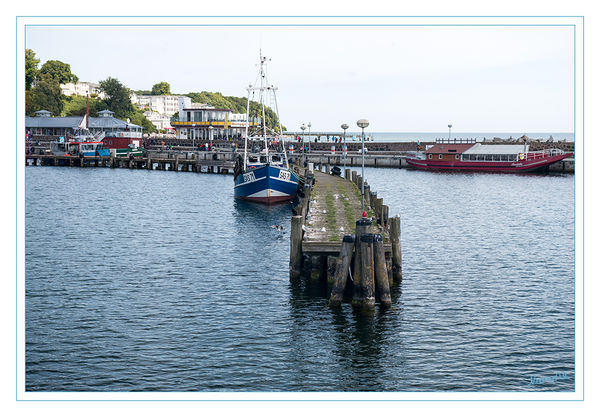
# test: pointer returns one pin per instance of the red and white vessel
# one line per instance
(469, 155)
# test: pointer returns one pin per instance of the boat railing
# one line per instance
(544, 153)
(456, 140)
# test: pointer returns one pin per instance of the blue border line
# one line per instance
(334, 25)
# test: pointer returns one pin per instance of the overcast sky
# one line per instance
(406, 78)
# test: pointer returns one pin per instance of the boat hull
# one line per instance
(266, 184)
(487, 166)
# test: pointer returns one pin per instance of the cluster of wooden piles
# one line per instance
(365, 263)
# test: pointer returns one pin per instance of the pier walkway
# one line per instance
(332, 241)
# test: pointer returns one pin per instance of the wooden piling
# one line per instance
(367, 195)
(296, 247)
(381, 276)
(367, 283)
(362, 227)
(149, 163)
(347, 174)
(332, 262)
(328, 168)
(341, 272)
(353, 176)
(396, 248)
(317, 266)
(385, 215)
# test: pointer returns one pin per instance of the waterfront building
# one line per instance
(200, 121)
(160, 121)
(82, 88)
(165, 105)
(43, 124)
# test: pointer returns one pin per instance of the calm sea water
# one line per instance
(140, 280)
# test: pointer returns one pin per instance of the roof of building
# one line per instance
(449, 148)
(74, 121)
(479, 149)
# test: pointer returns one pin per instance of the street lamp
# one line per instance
(449, 131)
(362, 123)
(303, 127)
(345, 150)
(309, 125)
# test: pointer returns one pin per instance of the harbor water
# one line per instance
(143, 280)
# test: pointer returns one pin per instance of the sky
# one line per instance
(400, 78)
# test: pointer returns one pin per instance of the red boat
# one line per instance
(472, 156)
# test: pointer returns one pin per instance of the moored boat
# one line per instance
(450, 155)
(265, 176)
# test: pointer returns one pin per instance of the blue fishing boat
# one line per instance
(264, 176)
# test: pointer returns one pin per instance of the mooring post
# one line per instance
(176, 167)
(386, 216)
(341, 271)
(353, 176)
(112, 161)
(328, 168)
(381, 276)
(367, 195)
(372, 199)
(367, 270)
(296, 247)
(149, 163)
(347, 174)
(396, 248)
(81, 161)
(362, 227)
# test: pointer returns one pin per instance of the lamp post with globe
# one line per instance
(303, 127)
(345, 149)
(362, 123)
(449, 132)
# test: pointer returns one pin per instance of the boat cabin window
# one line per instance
(263, 159)
(440, 156)
(457, 156)
(275, 158)
(252, 159)
(430, 156)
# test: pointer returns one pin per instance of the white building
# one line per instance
(166, 105)
(82, 88)
(161, 121)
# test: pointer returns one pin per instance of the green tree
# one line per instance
(161, 89)
(46, 95)
(117, 99)
(59, 71)
(31, 68)
(76, 106)
(138, 118)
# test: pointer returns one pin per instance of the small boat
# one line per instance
(264, 176)
(82, 144)
(448, 155)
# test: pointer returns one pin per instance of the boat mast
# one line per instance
(247, 124)
(87, 112)
(262, 102)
